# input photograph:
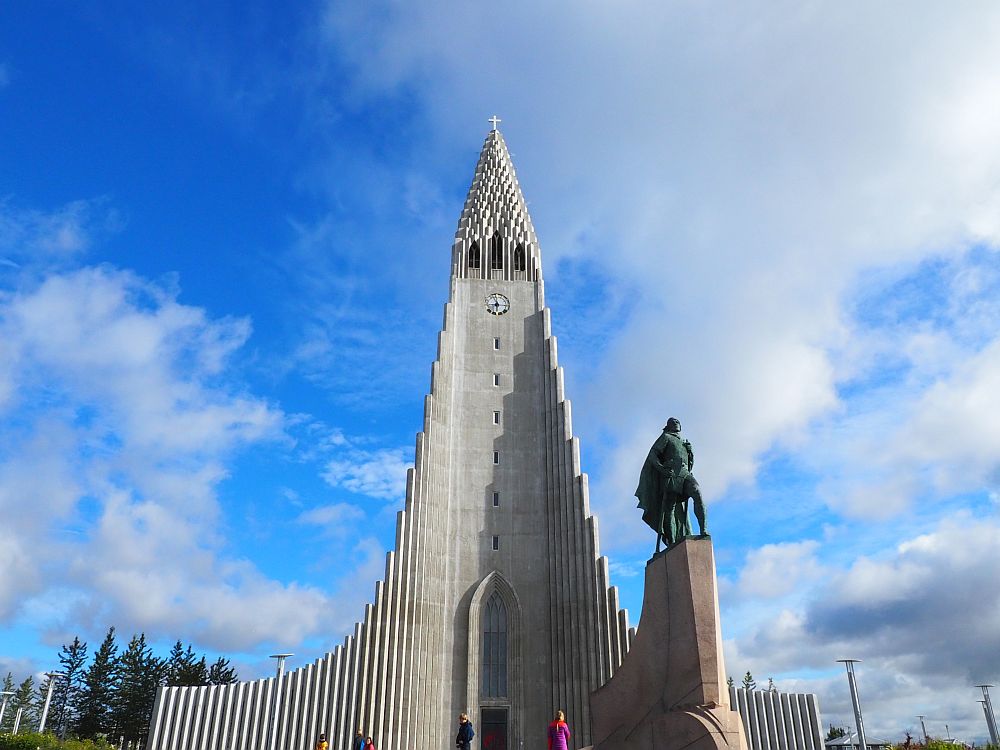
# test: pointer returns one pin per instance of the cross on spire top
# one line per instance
(494, 120)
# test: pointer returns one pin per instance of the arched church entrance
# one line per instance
(494, 666)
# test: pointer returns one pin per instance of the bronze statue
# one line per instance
(665, 485)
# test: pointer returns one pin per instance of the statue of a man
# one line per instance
(665, 485)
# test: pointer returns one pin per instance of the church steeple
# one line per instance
(495, 238)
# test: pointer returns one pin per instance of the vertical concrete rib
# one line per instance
(236, 734)
(185, 722)
(355, 678)
(568, 631)
(307, 674)
(323, 699)
(607, 630)
(754, 718)
(581, 665)
(156, 723)
(762, 723)
(382, 683)
(614, 627)
(205, 717)
(285, 708)
(551, 508)
(786, 737)
(799, 729)
(564, 634)
(261, 712)
(374, 644)
(224, 730)
(331, 716)
(738, 701)
(396, 725)
(815, 724)
(772, 719)
(166, 732)
(592, 652)
(343, 703)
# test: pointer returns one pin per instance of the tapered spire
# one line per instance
(495, 237)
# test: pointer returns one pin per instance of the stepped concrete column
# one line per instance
(670, 691)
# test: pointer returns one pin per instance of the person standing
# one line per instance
(369, 745)
(359, 741)
(465, 732)
(559, 733)
(322, 744)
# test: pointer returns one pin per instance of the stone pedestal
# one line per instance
(670, 691)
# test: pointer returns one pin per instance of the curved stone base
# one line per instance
(669, 693)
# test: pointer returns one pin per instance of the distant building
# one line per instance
(850, 742)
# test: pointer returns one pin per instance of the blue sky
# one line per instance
(224, 250)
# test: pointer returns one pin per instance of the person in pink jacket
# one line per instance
(559, 733)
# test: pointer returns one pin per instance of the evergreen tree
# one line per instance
(184, 668)
(749, 683)
(729, 682)
(99, 683)
(8, 717)
(65, 696)
(220, 673)
(24, 700)
(140, 674)
(835, 732)
(771, 687)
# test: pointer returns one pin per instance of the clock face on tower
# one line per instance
(497, 304)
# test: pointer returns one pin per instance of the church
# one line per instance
(496, 601)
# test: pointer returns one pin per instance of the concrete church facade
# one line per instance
(495, 600)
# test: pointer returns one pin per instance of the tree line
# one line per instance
(113, 696)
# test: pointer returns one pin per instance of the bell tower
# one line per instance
(495, 601)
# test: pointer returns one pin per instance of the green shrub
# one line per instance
(35, 741)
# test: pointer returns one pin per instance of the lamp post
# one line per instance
(923, 728)
(991, 718)
(53, 676)
(17, 719)
(986, 712)
(852, 682)
(279, 670)
(3, 706)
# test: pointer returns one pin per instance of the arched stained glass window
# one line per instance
(494, 624)
(519, 258)
(474, 256)
(496, 251)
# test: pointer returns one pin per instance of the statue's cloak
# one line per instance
(662, 478)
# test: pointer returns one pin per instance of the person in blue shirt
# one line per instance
(465, 732)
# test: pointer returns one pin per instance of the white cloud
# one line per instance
(31, 237)
(335, 521)
(924, 616)
(762, 160)
(776, 570)
(122, 414)
(379, 473)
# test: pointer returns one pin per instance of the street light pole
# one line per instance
(852, 682)
(991, 718)
(53, 676)
(3, 707)
(923, 728)
(279, 670)
(986, 712)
